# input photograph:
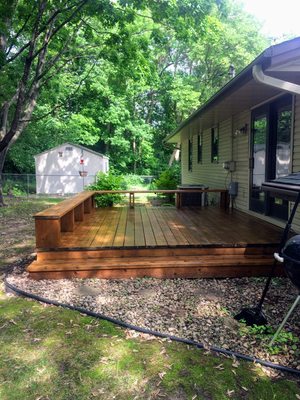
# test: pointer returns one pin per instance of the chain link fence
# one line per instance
(29, 185)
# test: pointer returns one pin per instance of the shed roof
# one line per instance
(73, 145)
(243, 92)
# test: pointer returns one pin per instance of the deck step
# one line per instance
(160, 267)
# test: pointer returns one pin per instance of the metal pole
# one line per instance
(285, 319)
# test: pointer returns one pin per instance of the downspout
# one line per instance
(260, 77)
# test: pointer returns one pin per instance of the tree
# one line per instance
(116, 75)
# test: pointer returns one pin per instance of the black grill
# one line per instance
(286, 187)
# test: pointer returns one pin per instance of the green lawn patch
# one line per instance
(52, 353)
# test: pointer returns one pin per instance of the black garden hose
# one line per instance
(268, 364)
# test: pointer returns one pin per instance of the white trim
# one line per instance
(260, 77)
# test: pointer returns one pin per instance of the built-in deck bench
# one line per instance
(61, 218)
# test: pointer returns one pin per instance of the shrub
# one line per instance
(169, 180)
(108, 181)
(132, 181)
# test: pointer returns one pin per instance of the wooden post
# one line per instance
(47, 233)
(88, 205)
(68, 222)
(131, 200)
(79, 212)
(224, 199)
(178, 200)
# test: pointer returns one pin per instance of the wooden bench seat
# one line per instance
(61, 218)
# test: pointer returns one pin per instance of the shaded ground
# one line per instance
(17, 228)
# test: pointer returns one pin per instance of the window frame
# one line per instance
(214, 150)
(200, 147)
(190, 154)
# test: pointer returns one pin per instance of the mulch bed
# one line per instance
(197, 309)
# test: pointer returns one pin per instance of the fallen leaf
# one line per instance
(220, 367)
(233, 371)
(229, 392)
(162, 374)
(246, 390)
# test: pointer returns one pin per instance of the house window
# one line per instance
(190, 155)
(270, 145)
(200, 143)
(214, 145)
(69, 148)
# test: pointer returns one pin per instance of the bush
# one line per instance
(108, 181)
(168, 180)
(132, 181)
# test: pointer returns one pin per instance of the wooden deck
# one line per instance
(161, 242)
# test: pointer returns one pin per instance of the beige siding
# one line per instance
(208, 173)
(232, 147)
(241, 157)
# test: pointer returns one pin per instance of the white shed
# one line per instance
(67, 169)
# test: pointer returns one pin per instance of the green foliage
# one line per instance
(168, 179)
(108, 181)
(265, 333)
(132, 73)
(131, 181)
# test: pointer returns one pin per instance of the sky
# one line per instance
(280, 18)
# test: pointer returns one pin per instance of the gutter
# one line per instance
(260, 77)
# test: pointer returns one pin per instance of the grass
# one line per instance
(17, 232)
(51, 353)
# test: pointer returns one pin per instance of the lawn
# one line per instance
(52, 353)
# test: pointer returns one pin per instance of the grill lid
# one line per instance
(286, 187)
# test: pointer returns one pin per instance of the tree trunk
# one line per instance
(2, 159)
(174, 155)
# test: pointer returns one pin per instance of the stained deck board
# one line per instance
(139, 237)
(148, 231)
(129, 239)
(159, 236)
(121, 229)
(143, 227)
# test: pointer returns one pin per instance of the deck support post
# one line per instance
(178, 200)
(224, 200)
(47, 233)
(79, 212)
(131, 200)
(88, 205)
(68, 222)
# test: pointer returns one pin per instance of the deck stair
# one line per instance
(159, 263)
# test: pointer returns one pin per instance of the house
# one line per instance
(67, 169)
(248, 133)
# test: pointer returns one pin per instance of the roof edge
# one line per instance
(71, 144)
(243, 76)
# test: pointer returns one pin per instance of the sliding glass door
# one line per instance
(270, 154)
